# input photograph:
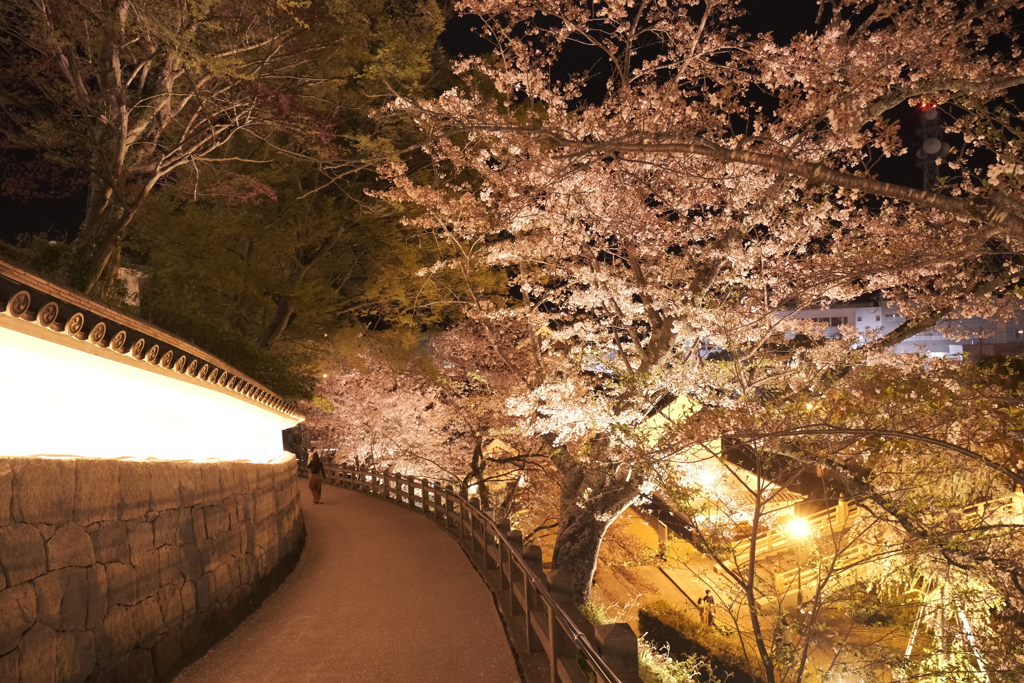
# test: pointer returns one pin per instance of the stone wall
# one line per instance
(127, 570)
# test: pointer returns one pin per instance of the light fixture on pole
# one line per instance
(799, 529)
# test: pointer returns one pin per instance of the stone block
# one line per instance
(165, 493)
(70, 546)
(62, 599)
(170, 565)
(9, 667)
(18, 608)
(206, 595)
(188, 599)
(96, 491)
(213, 494)
(166, 528)
(230, 514)
(169, 599)
(149, 621)
(190, 484)
(191, 562)
(222, 580)
(119, 630)
(169, 654)
(264, 477)
(110, 542)
(75, 656)
(198, 525)
(38, 655)
(216, 520)
(99, 598)
(229, 483)
(140, 540)
(147, 574)
(264, 504)
(252, 476)
(135, 485)
(134, 667)
(6, 492)
(74, 610)
(43, 490)
(22, 553)
(121, 586)
(186, 534)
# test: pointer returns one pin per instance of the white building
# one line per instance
(975, 337)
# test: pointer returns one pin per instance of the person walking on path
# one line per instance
(316, 477)
(707, 608)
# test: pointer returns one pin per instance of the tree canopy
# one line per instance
(126, 93)
(662, 214)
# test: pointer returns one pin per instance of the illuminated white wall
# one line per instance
(56, 400)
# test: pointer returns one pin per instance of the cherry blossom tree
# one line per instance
(661, 216)
(437, 412)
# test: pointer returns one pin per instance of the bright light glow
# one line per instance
(809, 406)
(58, 400)
(798, 527)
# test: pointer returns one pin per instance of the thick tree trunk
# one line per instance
(590, 502)
(475, 476)
(282, 318)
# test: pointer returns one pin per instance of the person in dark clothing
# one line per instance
(316, 477)
(707, 608)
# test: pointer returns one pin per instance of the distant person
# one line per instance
(784, 640)
(707, 609)
(316, 476)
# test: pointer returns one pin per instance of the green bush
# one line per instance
(682, 637)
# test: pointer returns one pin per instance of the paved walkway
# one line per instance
(380, 594)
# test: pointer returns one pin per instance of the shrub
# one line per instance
(682, 637)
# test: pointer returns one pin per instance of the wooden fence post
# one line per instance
(504, 555)
(534, 560)
(514, 545)
(449, 509)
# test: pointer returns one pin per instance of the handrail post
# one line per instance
(534, 560)
(449, 509)
(514, 544)
(559, 643)
(474, 524)
(504, 555)
(486, 542)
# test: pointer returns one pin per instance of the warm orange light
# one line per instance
(798, 527)
(59, 400)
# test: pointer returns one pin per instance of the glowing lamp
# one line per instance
(798, 527)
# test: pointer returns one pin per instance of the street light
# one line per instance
(799, 529)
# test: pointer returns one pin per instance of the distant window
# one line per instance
(838, 321)
(1020, 333)
(877, 318)
(859, 318)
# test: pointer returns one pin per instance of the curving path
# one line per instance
(379, 595)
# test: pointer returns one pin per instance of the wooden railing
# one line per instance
(554, 641)
(775, 541)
